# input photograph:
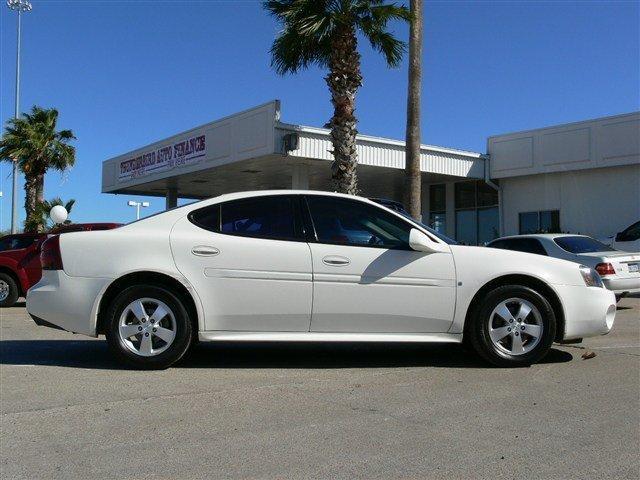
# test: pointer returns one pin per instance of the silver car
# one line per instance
(620, 271)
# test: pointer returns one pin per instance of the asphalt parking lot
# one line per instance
(318, 411)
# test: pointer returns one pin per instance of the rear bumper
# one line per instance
(68, 303)
(43, 323)
(622, 285)
(589, 311)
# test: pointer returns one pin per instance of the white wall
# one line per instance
(603, 142)
(597, 202)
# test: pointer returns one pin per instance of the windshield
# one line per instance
(579, 244)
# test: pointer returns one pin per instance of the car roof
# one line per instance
(263, 193)
(260, 193)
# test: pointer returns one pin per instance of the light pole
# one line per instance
(18, 6)
(132, 203)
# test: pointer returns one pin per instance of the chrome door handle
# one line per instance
(205, 251)
(336, 261)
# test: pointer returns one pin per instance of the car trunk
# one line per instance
(626, 265)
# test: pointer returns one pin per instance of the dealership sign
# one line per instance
(179, 154)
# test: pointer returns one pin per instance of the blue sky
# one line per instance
(125, 73)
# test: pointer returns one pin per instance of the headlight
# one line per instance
(591, 277)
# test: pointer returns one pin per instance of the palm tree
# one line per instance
(413, 182)
(37, 146)
(324, 33)
(39, 221)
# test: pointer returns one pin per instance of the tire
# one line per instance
(528, 331)
(9, 292)
(159, 338)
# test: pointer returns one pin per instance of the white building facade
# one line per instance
(582, 177)
(469, 196)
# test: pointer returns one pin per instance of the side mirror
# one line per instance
(420, 242)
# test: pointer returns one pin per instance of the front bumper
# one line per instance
(622, 285)
(68, 303)
(588, 311)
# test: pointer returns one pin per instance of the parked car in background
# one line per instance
(20, 259)
(628, 240)
(307, 266)
(620, 271)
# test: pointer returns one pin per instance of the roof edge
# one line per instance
(374, 139)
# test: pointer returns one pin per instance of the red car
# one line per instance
(20, 259)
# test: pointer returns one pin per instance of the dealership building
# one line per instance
(581, 177)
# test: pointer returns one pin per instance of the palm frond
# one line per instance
(35, 143)
(305, 38)
(390, 47)
(292, 52)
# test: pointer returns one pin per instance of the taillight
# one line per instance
(50, 257)
(605, 269)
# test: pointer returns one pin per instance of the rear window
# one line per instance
(579, 245)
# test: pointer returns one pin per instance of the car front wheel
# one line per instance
(148, 327)
(513, 326)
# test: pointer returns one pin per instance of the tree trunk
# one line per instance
(40, 188)
(30, 201)
(344, 79)
(413, 181)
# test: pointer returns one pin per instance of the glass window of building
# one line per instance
(528, 223)
(550, 221)
(477, 215)
(545, 221)
(467, 227)
(488, 221)
(438, 208)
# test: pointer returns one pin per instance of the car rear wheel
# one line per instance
(148, 327)
(8, 291)
(513, 326)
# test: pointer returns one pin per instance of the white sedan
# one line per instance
(620, 271)
(307, 266)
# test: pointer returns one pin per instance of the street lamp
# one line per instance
(18, 6)
(132, 203)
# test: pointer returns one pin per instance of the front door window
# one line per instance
(345, 222)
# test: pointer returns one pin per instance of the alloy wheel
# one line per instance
(515, 326)
(147, 327)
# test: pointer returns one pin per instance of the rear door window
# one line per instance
(266, 217)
